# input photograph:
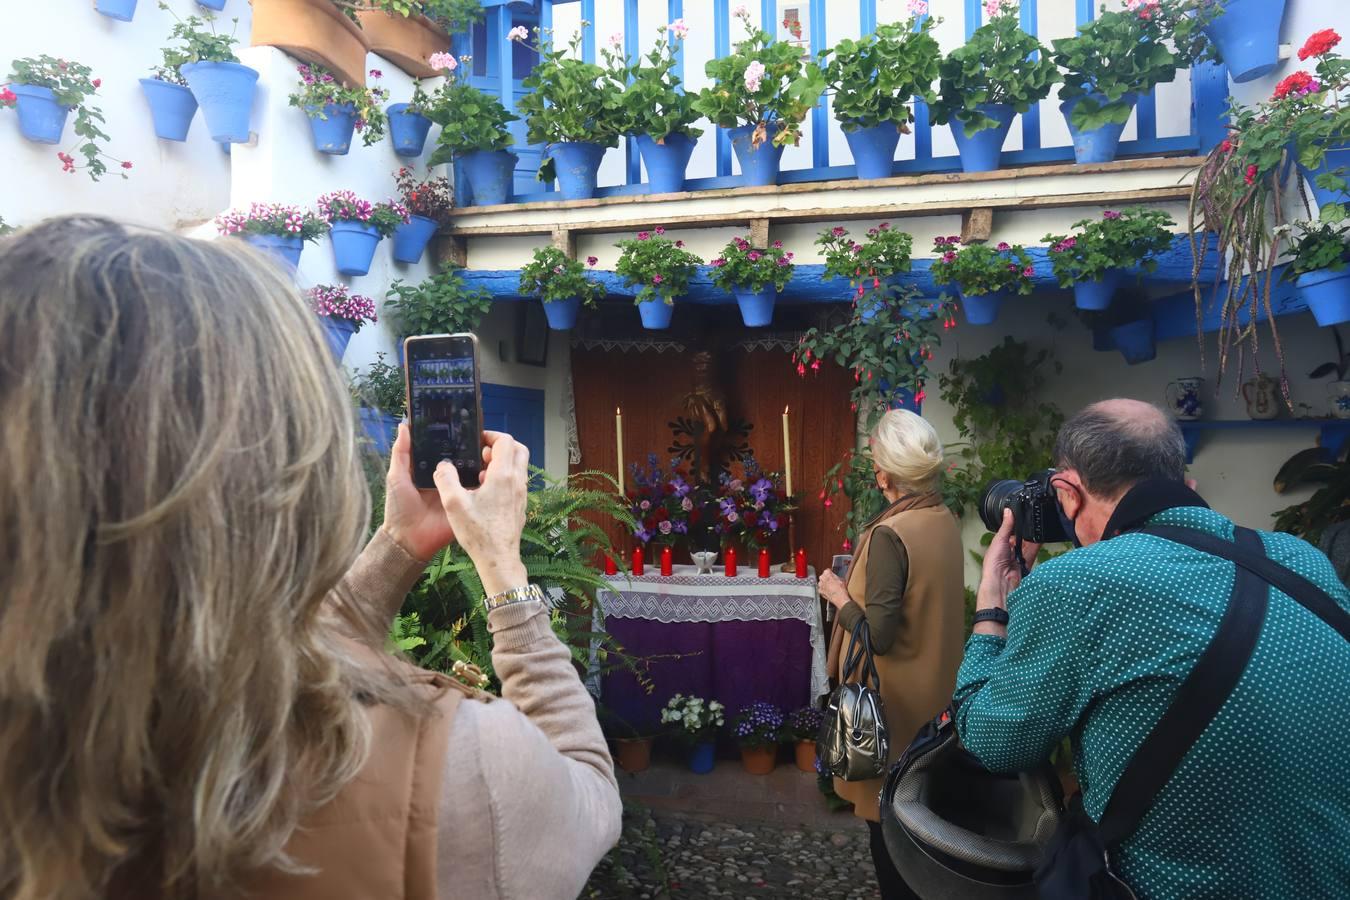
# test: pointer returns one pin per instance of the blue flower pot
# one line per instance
(212, 4)
(756, 306)
(562, 314)
(759, 165)
(980, 152)
(411, 239)
(225, 91)
(577, 165)
(339, 333)
(172, 108)
(1248, 37)
(407, 130)
(381, 428)
(287, 249)
(490, 174)
(656, 314)
(332, 132)
(982, 309)
(1327, 294)
(874, 149)
(703, 758)
(121, 10)
(1337, 158)
(1097, 295)
(1135, 341)
(1097, 145)
(41, 119)
(666, 163)
(354, 247)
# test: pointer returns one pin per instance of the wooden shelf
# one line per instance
(1332, 433)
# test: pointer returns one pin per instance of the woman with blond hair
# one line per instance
(906, 580)
(195, 696)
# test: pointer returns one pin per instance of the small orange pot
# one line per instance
(759, 760)
(806, 756)
(314, 31)
(406, 41)
(633, 754)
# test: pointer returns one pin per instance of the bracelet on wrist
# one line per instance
(513, 595)
(998, 616)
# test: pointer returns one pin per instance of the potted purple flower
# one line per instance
(357, 226)
(342, 312)
(754, 276)
(802, 726)
(757, 729)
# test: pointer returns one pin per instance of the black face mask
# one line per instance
(1068, 525)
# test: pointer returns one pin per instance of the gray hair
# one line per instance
(1115, 444)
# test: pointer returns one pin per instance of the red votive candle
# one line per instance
(764, 562)
(801, 563)
(638, 566)
(610, 567)
(667, 562)
(730, 555)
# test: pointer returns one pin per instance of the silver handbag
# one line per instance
(854, 742)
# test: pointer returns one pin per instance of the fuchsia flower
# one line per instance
(1250, 177)
(644, 235)
(657, 279)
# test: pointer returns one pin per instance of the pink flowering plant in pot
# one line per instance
(336, 301)
(754, 276)
(866, 264)
(357, 226)
(471, 120)
(1094, 258)
(659, 269)
(272, 219)
(982, 275)
(44, 90)
(336, 110)
(562, 285)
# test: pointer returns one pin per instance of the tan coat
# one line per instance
(918, 672)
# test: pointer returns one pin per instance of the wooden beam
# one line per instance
(759, 233)
(977, 225)
(452, 251)
(565, 240)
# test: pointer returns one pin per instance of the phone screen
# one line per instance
(444, 406)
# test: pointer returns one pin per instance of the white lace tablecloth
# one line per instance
(687, 596)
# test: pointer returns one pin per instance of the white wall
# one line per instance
(182, 187)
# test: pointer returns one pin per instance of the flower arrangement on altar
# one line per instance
(664, 504)
(751, 508)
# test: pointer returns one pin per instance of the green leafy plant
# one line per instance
(552, 275)
(470, 119)
(441, 304)
(1118, 240)
(1123, 52)
(885, 253)
(764, 83)
(998, 63)
(1318, 246)
(380, 386)
(569, 100)
(199, 40)
(653, 102)
(319, 89)
(876, 78)
(977, 269)
(657, 266)
(430, 198)
(74, 88)
(1007, 428)
(452, 15)
(1330, 503)
(751, 268)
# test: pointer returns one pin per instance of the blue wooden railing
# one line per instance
(1209, 95)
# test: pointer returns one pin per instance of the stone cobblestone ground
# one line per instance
(668, 855)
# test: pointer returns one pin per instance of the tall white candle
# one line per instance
(618, 434)
(787, 454)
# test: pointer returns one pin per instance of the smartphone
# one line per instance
(445, 406)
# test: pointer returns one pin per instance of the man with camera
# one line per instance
(1240, 790)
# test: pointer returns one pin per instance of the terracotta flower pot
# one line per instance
(633, 754)
(314, 31)
(406, 41)
(759, 760)
(806, 756)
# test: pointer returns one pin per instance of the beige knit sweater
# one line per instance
(529, 803)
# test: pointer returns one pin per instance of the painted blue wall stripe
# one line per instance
(1031, 119)
(923, 128)
(588, 34)
(974, 16)
(675, 10)
(721, 48)
(820, 116)
(631, 47)
(867, 16)
(768, 16)
(1084, 11)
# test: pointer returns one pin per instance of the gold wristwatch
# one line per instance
(514, 595)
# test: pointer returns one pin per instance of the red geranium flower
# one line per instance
(1251, 174)
(1319, 43)
(1299, 83)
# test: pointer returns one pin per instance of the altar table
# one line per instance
(740, 640)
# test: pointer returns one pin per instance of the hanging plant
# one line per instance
(336, 301)
(440, 304)
(660, 268)
(430, 198)
(1118, 240)
(48, 89)
(885, 254)
(272, 219)
(320, 91)
(345, 206)
(743, 266)
(977, 269)
(554, 277)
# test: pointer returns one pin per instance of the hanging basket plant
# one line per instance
(659, 269)
(561, 284)
(336, 111)
(1093, 260)
(44, 90)
(754, 276)
(981, 275)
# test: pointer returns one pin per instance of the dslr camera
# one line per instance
(1036, 515)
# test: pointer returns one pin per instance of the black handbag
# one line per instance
(1077, 863)
(854, 742)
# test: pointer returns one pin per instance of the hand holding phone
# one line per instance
(444, 406)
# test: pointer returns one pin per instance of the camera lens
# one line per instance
(995, 500)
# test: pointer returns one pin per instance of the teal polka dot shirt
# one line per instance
(1099, 641)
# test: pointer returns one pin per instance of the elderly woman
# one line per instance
(906, 581)
(196, 700)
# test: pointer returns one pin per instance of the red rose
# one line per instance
(1319, 43)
